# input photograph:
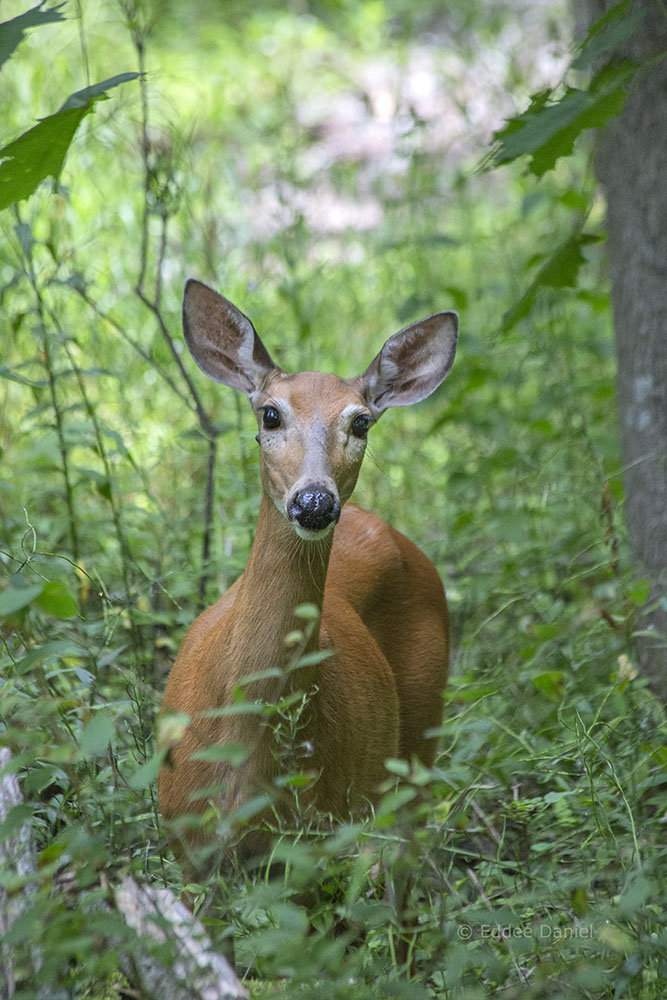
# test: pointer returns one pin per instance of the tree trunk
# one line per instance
(631, 165)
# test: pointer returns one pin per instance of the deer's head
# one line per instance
(313, 426)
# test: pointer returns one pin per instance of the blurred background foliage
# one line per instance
(319, 164)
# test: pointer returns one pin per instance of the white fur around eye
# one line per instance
(345, 422)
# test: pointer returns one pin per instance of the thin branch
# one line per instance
(207, 427)
(154, 305)
(26, 247)
(146, 354)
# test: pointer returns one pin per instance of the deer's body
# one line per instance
(383, 608)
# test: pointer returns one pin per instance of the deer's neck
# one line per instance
(283, 572)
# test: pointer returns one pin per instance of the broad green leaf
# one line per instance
(249, 809)
(392, 802)
(548, 129)
(83, 99)
(658, 753)
(551, 683)
(97, 734)
(53, 649)
(312, 659)
(545, 632)
(560, 270)
(13, 599)
(616, 939)
(552, 797)
(309, 612)
(229, 753)
(639, 591)
(579, 900)
(398, 767)
(56, 600)
(14, 819)
(634, 896)
(607, 33)
(12, 32)
(40, 152)
(103, 487)
(147, 773)
(472, 692)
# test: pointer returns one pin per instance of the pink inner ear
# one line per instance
(222, 340)
(413, 362)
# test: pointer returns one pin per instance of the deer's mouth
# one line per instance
(309, 535)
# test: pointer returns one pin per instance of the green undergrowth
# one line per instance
(530, 860)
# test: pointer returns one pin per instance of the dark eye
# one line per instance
(271, 418)
(360, 425)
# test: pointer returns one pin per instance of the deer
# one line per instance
(375, 691)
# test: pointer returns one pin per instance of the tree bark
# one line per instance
(631, 164)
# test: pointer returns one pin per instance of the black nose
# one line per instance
(314, 507)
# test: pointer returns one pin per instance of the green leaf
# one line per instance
(309, 612)
(231, 753)
(548, 129)
(551, 683)
(552, 797)
(312, 659)
(608, 32)
(13, 599)
(54, 649)
(560, 270)
(83, 99)
(40, 152)
(103, 487)
(11, 32)
(638, 592)
(97, 734)
(14, 819)
(634, 896)
(616, 939)
(147, 773)
(392, 802)
(658, 754)
(56, 600)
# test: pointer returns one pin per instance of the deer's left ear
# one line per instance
(412, 363)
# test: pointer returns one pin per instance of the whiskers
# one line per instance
(309, 556)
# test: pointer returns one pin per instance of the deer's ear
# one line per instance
(412, 363)
(222, 340)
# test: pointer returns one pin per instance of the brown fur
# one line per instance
(383, 607)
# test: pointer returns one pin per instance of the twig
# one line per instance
(26, 248)
(143, 352)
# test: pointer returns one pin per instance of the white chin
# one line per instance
(312, 536)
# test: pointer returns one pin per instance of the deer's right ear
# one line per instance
(223, 341)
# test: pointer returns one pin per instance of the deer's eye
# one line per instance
(360, 425)
(270, 418)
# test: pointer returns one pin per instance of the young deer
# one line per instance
(383, 608)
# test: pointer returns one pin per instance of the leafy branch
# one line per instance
(40, 152)
(549, 127)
